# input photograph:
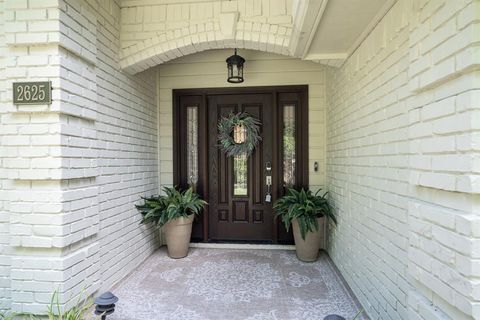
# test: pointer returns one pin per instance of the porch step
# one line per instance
(244, 246)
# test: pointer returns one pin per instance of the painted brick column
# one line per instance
(49, 162)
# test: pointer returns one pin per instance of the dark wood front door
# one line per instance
(238, 208)
(236, 187)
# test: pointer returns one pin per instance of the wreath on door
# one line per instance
(238, 134)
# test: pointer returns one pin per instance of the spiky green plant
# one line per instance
(6, 315)
(82, 309)
(10, 315)
(304, 206)
(174, 204)
(358, 314)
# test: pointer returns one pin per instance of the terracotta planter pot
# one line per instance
(177, 236)
(307, 250)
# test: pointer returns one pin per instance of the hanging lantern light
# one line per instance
(235, 68)
(239, 133)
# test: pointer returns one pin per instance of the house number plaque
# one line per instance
(32, 92)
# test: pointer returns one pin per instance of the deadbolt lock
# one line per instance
(268, 166)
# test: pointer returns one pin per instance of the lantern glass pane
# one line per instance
(289, 145)
(239, 134)
(192, 146)
(240, 174)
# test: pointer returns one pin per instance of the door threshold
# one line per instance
(242, 246)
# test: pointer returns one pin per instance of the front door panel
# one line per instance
(237, 207)
(236, 187)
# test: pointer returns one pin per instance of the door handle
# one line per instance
(268, 181)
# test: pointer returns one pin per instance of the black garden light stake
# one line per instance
(334, 317)
(105, 304)
(337, 317)
(235, 68)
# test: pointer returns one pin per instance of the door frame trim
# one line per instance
(301, 139)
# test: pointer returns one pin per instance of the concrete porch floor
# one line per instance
(233, 284)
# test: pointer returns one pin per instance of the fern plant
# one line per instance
(174, 204)
(304, 206)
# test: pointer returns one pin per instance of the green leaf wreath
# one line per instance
(225, 130)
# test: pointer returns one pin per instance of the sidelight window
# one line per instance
(289, 145)
(192, 146)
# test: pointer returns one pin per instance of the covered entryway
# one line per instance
(241, 189)
(393, 135)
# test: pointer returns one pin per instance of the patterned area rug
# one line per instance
(222, 284)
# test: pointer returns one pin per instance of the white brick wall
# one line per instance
(402, 163)
(71, 171)
(5, 250)
(34, 24)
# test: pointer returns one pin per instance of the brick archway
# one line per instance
(180, 42)
(154, 33)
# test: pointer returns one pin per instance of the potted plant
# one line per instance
(305, 211)
(175, 212)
